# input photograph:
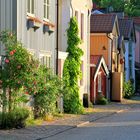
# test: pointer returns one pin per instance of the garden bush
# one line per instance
(101, 100)
(14, 119)
(49, 90)
(128, 90)
(24, 80)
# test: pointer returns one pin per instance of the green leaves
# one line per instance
(71, 72)
(130, 7)
(128, 89)
(23, 76)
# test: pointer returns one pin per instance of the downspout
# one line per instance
(57, 32)
(88, 56)
(111, 49)
(71, 7)
(118, 53)
(111, 66)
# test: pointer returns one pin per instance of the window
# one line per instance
(76, 15)
(30, 6)
(115, 44)
(99, 82)
(45, 60)
(82, 71)
(82, 26)
(46, 9)
(130, 69)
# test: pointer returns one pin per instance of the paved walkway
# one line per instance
(49, 129)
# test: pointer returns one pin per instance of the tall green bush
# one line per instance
(71, 72)
(49, 90)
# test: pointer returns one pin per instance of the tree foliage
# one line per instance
(130, 7)
(71, 72)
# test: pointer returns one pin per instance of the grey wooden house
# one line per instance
(34, 22)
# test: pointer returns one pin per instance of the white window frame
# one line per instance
(99, 82)
(76, 14)
(82, 70)
(82, 26)
(46, 12)
(45, 61)
(31, 7)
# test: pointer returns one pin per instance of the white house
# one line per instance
(127, 31)
(68, 9)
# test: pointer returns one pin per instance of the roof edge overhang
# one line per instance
(104, 32)
(99, 65)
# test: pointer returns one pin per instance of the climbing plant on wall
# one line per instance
(71, 72)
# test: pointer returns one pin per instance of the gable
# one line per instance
(116, 31)
(99, 63)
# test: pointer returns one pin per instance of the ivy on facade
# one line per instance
(71, 72)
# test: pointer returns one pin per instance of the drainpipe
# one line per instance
(118, 53)
(57, 32)
(71, 7)
(111, 67)
(88, 56)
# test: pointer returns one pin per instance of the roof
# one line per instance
(96, 12)
(102, 23)
(98, 61)
(119, 14)
(136, 20)
(125, 26)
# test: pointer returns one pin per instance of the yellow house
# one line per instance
(104, 35)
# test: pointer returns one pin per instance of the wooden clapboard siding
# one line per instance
(13, 16)
(97, 42)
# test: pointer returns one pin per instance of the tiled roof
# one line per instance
(102, 23)
(125, 26)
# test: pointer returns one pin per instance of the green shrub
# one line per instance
(46, 97)
(101, 100)
(71, 71)
(14, 119)
(128, 90)
(91, 105)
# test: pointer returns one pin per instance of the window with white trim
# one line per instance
(82, 26)
(76, 15)
(30, 6)
(99, 82)
(46, 9)
(45, 60)
(82, 71)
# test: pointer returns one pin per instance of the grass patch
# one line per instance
(33, 122)
(88, 111)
